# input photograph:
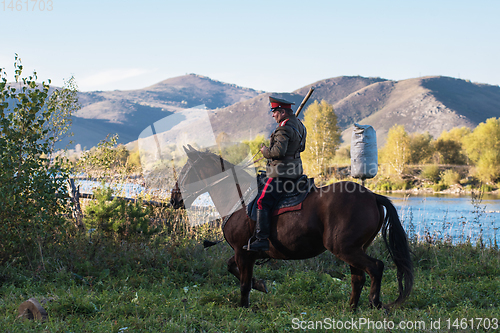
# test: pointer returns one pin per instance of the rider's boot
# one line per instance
(262, 231)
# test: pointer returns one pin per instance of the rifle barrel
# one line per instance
(304, 102)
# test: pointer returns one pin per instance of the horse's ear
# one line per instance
(191, 152)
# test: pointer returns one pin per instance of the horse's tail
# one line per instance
(397, 243)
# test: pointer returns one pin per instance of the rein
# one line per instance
(242, 196)
(203, 189)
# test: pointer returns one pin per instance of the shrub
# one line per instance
(430, 173)
(400, 184)
(392, 185)
(114, 217)
(450, 177)
(33, 192)
(439, 187)
(487, 188)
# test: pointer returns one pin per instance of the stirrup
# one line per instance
(257, 246)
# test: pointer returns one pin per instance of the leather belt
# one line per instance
(291, 157)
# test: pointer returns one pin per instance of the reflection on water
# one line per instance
(448, 217)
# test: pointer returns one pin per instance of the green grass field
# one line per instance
(170, 283)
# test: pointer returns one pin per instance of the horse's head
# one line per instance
(190, 183)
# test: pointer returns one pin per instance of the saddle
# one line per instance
(290, 201)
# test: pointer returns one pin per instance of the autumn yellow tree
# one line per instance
(396, 152)
(421, 148)
(323, 137)
(449, 146)
(483, 148)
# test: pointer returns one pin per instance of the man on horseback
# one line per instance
(284, 166)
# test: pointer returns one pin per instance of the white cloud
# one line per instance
(102, 79)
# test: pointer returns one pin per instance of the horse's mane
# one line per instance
(217, 159)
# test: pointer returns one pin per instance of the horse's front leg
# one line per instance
(245, 261)
(259, 285)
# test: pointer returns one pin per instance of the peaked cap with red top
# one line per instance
(278, 103)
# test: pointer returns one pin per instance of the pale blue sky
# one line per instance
(267, 45)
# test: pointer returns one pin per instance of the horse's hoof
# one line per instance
(378, 306)
(260, 285)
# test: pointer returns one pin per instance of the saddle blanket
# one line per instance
(288, 202)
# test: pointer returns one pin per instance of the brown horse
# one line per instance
(342, 218)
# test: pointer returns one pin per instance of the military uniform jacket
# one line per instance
(287, 142)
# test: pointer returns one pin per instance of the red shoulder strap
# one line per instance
(284, 122)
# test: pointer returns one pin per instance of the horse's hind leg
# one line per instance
(259, 285)
(245, 264)
(373, 267)
(357, 282)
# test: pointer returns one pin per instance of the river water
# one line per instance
(427, 217)
(450, 217)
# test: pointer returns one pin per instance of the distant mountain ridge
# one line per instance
(430, 104)
(128, 112)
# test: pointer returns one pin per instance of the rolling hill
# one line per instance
(129, 112)
(423, 104)
(427, 104)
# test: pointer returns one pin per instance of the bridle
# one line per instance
(242, 196)
(183, 176)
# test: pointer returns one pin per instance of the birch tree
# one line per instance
(483, 148)
(64, 103)
(323, 137)
(396, 152)
(33, 191)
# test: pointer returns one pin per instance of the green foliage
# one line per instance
(134, 160)
(487, 188)
(449, 146)
(255, 146)
(450, 177)
(32, 189)
(397, 152)
(448, 152)
(233, 152)
(455, 134)
(438, 187)
(108, 159)
(115, 217)
(483, 148)
(431, 173)
(102, 158)
(343, 156)
(323, 137)
(421, 148)
(387, 184)
(64, 103)
(256, 143)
